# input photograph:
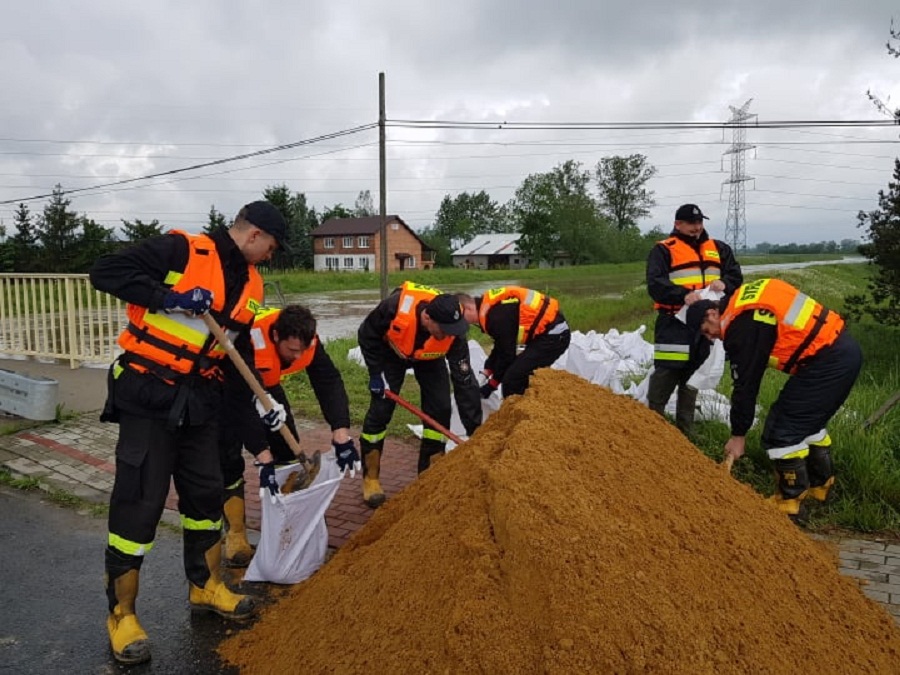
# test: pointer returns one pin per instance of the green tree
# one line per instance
(555, 214)
(139, 230)
(365, 205)
(336, 211)
(24, 243)
(882, 227)
(93, 242)
(622, 187)
(301, 221)
(57, 229)
(215, 220)
(461, 218)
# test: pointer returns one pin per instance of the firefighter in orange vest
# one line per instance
(165, 392)
(677, 267)
(284, 342)
(770, 323)
(517, 318)
(415, 327)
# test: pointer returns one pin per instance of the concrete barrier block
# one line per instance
(34, 398)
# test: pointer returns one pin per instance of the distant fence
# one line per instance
(58, 316)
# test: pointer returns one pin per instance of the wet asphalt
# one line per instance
(54, 605)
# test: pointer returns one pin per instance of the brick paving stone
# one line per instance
(78, 456)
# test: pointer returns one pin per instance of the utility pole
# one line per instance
(382, 187)
(736, 220)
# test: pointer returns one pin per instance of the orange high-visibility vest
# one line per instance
(401, 335)
(265, 352)
(179, 342)
(536, 310)
(690, 270)
(804, 325)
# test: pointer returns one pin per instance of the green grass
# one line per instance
(867, 461)
(58, 497)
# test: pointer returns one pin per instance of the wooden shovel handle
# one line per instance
(250, 379)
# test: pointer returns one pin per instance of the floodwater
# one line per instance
(339, 313)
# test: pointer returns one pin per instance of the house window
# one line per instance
(363, 242)
(348, 263)
(395, 226)
(364, 264)
(331, 263)
(329, 242)
(411, 262)
(348, 242)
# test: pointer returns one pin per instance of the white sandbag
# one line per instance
(293, 537)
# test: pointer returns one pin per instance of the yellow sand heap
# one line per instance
(577, 532)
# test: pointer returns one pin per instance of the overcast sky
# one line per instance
(100, 91)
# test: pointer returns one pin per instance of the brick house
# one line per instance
(354, 245)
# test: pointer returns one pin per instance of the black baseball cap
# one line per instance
(268, 218)
(696, 313)
(446, 310)
(690, 213)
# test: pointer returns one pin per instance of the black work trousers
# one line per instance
(540, 352)
(148, 457)
(812, 395)
(434, 384)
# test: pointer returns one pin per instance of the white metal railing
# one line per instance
(58, 316)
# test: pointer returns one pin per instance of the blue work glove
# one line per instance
(275, 417)
(376, 385)
(267, 481)
(195, 301)
(347, 457)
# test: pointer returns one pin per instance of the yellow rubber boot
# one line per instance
(792, 488)
(373, 495)
(238, 552)
(127, 638)
(215, 596)
(820, 469)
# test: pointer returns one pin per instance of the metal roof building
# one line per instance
(491, 251)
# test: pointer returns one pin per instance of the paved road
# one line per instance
(54, 605)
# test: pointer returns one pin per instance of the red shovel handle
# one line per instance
(422, 416)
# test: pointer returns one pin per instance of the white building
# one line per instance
(491, 251)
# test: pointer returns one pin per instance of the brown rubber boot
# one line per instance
(128, 640)
(215, 596)
(373, 495)
(238, 552)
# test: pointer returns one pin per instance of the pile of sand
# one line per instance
(576, 532)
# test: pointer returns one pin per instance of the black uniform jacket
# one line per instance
(135, 274)
(748, 344)
(376, 351)
(242, 417)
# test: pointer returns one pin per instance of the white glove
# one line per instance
(275, 418)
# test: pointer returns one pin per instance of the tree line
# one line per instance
(584, 215)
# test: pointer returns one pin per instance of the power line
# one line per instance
(258, 153)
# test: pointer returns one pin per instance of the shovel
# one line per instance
(308, 468)
(388, 394)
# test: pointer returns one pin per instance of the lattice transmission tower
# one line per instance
(736, 219)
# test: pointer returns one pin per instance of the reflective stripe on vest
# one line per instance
(690, 268)
(536, 310)
(401, 334)
(181, 342)
(804, 326)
